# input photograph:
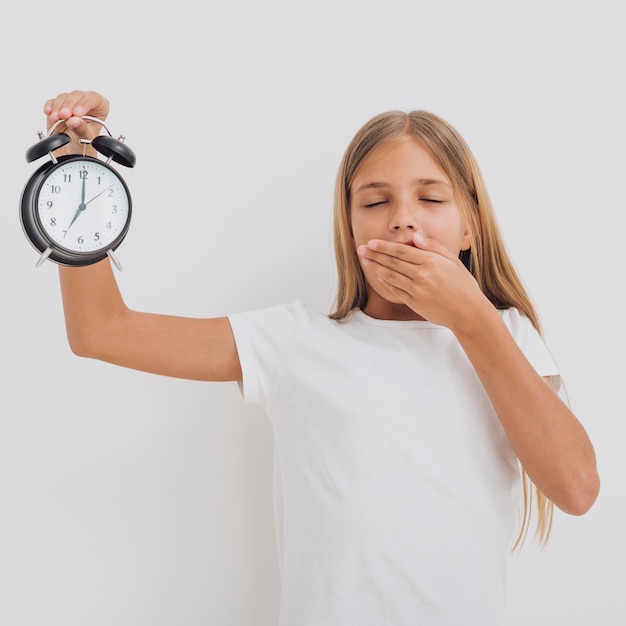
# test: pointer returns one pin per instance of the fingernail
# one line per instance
(418, 238)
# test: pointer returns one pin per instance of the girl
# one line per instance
(401, 419)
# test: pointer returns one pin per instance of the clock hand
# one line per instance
(81, 207)
(99, 194)
(82, 191)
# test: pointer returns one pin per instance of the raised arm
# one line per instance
(99, 324)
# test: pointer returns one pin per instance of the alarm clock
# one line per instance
(76, 209)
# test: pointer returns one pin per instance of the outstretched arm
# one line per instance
(99, 324)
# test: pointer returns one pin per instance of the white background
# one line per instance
(131, 499)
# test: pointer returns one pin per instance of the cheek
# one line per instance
(364, 228)
(357, 232)
(450, 230)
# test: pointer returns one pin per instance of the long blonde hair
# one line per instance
(487, 258)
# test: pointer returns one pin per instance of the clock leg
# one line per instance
(114, 260)
(43, 257)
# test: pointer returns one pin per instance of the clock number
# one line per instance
(114, 208)
(96, 237)
(67, 178)
(80, 239)
(55, 189)
(108, 225)
(49, 204)
(83, 174)
(53, 221)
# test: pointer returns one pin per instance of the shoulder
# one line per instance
(290, 313)
(267, 340)
(516, 321)
(520, 327)
(530, 341)
(281, 322)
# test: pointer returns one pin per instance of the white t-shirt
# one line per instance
(396, 490)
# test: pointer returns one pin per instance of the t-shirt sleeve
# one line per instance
(263, 339)
(532, 345)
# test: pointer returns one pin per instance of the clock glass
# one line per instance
(83, 205)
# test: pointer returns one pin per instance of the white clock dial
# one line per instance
(83, 205)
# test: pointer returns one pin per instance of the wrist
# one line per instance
(476, 320)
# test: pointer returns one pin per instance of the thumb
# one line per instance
(431, 245)
(82, 128)
(425, 243)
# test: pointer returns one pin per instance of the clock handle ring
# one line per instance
(110, 147)
(89, 118)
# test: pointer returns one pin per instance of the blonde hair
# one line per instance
(487, 258)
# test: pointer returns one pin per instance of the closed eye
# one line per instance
(373, 204)
(433, 200)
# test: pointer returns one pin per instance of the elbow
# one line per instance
(581, 495)
(78, 348)
(93, 339)
(81, 344)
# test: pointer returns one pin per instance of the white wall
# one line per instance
(130, 499)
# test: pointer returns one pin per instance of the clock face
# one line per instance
(82, 205)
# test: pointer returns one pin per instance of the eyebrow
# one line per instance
(420, 181)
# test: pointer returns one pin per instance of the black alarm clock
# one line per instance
(76, 209)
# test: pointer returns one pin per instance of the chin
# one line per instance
(374, 296)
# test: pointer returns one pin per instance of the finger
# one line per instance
(70, 107)
(393, 276)
(433, 245)
(60, 107)
(398, 284)
(54, 104)
(398, 257)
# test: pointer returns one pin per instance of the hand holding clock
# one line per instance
(70, 109)
(49, 198)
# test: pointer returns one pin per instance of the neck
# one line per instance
(382, 309)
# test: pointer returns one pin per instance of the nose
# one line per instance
(403, 217)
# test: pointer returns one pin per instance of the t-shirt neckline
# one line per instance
(364, 317)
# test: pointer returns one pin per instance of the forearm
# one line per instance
(549, 441)
(91, 299)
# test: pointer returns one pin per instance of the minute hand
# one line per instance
(99, 194)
